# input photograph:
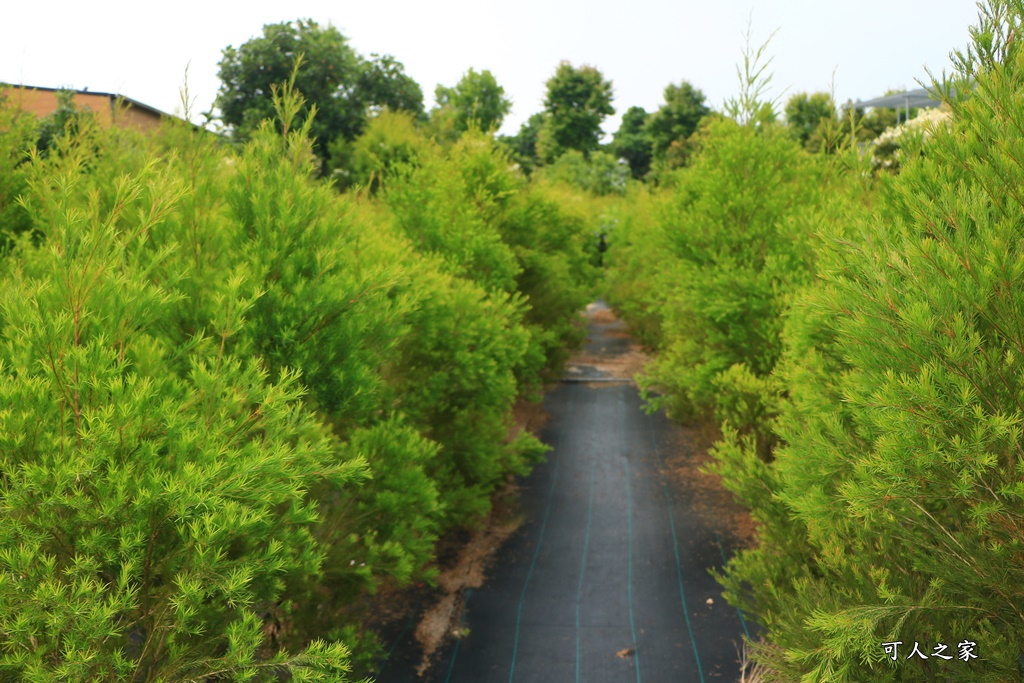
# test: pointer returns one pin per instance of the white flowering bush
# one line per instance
(889, 148)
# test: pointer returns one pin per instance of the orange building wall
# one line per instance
(44, 102)
(128, 116)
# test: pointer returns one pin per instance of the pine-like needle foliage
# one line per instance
(893, 512)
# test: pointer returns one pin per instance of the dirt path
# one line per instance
(607, 579)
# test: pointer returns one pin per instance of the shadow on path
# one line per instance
(607, 579)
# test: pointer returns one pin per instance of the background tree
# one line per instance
(676, 119)
(632, 142)
(333, 77)
(805, 113)
(382, 82)
(523, 145)
(477, 97)
(577, 102)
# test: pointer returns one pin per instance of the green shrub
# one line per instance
(892, 512)
(736, 230)
(271, 279)
(636, 251)
(441, 213)
(17, 137)
(203, 350)
(319, 305)
(391, 140)
(551, 233)
(458, 384)
(150, 517)
(471, 207)
(600, 173)
(336, 305)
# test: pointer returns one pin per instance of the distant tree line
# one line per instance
(347, 90)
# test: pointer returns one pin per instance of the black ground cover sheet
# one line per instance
(607, 579)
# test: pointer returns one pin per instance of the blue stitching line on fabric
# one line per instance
(540, 541)
(583, 567)
(675, 546)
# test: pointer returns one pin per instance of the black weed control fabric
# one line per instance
(607, 579)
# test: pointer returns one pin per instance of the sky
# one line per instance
(857, 48)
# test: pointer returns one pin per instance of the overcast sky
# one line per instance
(141, 49)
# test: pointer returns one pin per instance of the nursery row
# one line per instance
(858, 336)
(234, 402)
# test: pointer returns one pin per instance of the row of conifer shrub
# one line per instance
(233, 400)
(860, 339)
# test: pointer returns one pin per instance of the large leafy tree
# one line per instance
(476, 98)
(677, 118)
(632, 141)
(333, 78)
(523, 145)
(382, 82)
(577, 101)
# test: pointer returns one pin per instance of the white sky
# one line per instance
(141, 49)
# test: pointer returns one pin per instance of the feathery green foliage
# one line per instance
(600, 174)
(472, 208)
(233, 401)
(806, 114)
(390, 142)
(151, 512)
(17, 136)
(730, 241)
(892, 510)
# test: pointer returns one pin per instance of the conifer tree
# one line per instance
(734, 238)
(893, 510)
(150, 516)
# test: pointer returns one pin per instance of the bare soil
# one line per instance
(468, 571)
(471, 561)
(710, 500)
(625, 365)
(600, 315)
(528, 416)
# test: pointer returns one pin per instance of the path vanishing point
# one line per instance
(607, 578)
